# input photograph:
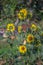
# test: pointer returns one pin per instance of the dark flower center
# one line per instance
(23, 48)
(30, 38)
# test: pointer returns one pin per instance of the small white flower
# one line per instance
(5, 35)
(24, 42)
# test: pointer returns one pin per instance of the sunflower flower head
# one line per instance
(33, 27)
(19, 29)
(22, 14)
(22, 49)
(30, 38)
(11, 27)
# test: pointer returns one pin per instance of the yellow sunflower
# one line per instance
(22, 14)
(19, 29)
(10, 27)
(22, 49)
(34, 27)
(30, 38)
